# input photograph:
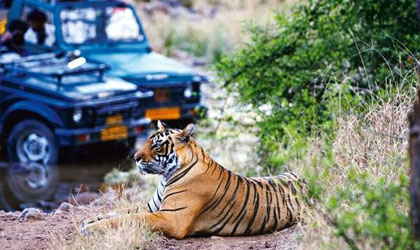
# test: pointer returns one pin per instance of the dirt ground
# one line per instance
(37, 234)
(286, 239)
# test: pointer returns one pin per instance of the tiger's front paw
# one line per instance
(86, 229)
(98, 218)
(91, 228)
(97, 223)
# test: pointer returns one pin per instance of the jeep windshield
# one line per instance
(100, 25)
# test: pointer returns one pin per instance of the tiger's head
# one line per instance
(160, 153)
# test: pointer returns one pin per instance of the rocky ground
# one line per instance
(35, 231)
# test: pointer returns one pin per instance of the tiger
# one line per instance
(198, 197)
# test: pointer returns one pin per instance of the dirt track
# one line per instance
(37, 234)
(286, 239)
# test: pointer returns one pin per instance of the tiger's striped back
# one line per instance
(248, 206)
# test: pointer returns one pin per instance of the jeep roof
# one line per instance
(69, 76)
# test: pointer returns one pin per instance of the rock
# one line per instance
(57, 212)
(96, 203)
(82, 188)
(267, 244)
(180, 54)
(152, 7)
(9, 216)
(65, 207)
(46, 206)
(32, 214)
(199, 62)
(84, 198)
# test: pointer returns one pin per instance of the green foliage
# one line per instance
(326, 52)
(372, 213)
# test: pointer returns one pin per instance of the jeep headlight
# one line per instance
(77, 115)
(188, 92)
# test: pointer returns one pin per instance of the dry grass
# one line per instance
(205, 34)
(128, 235)
(376, 140)
(374, 143)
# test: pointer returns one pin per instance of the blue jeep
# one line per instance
(111, 32)
(50, 101)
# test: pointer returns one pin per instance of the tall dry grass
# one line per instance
(375, 140)
(128, 235)
(216, 27)
(371, 144)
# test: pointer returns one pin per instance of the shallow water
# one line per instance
(34, 185)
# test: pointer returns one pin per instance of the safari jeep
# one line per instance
(111, 32)
(50, 101)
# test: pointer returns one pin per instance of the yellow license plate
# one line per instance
(163, 113)
(114, 119)
(114, 133)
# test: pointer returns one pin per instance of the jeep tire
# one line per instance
(32, 141)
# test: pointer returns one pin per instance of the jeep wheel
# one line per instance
(32, 141)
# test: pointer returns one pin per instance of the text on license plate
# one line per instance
(164, 113)
(114, 133)
(114, 119)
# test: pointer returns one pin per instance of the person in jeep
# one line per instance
(13, 38)
(39, 31)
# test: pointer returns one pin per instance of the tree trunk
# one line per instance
(414, 150)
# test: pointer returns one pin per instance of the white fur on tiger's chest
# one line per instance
(156, 201)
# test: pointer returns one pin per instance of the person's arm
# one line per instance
(30, 36)
(50, 30)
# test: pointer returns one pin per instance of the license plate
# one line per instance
(114, 119)
(114, 133)
(163, 113)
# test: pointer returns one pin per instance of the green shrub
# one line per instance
(326, 50)
(372, 213)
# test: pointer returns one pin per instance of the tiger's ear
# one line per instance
(189, 129)
(161, 125)
(186, 133)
